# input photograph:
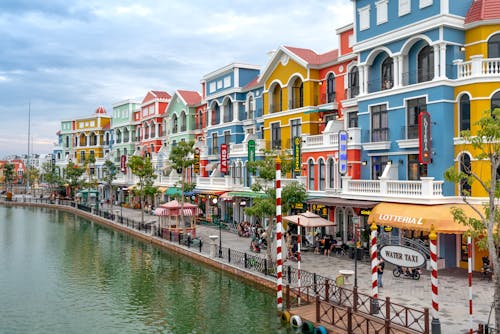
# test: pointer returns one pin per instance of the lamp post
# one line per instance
(214, 202)
(355, 221)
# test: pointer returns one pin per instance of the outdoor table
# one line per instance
(347, 274)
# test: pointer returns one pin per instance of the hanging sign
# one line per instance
(424, 138)
(123, 163)
(196, 162)
(402, 256)
(223, 158)
(296, 154)
(251, 150)
(343, 152)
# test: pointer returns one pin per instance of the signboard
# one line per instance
(123, 163)
(402, 256)
(251, 150)
(424, 138)
(388, 228)
(343, 152)
(296, 154)
(196, 162)
(223, 158)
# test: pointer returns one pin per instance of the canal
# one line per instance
(60, 273)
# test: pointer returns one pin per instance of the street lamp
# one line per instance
(355, 221)
(214, 202)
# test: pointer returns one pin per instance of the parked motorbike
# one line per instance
(407, 272)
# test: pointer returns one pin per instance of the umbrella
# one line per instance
(309, 219)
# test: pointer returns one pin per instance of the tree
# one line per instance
(33, 174)
(108, 178)
(50, 176)
(486, 145)
(72, 174)
(265, 206)
(8, 173)
(181, 158)
(143, 169)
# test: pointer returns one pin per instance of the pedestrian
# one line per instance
(380, 271)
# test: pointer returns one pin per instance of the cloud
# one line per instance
(65, 58)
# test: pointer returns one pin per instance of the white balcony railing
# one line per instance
(331, 139)
(478, 67)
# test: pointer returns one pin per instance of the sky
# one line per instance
(62, 59)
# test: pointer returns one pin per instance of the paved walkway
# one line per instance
(453, 283)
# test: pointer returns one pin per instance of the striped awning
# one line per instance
(208, 192)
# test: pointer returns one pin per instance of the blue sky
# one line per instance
(65, 58)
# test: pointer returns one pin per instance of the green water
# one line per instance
(63, 274)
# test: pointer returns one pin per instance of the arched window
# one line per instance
(175, 124)
(322, 174)
(297, 96)
(330, 88)
(126, 135)
(426, 64)
(465, 167)
(310, 174)
(228, 111)
(276, 99)
(353, 82)
(464, 113)
(331, 173)
(216, 114)
(67, 141)
(495, 101)
(183, 121)
(199, 121)
(387, 73)
(251, 107)
(152, 128)
(494, 46)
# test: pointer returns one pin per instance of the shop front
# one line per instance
(412, 223)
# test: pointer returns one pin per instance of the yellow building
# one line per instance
(91, 136)
(478, 85)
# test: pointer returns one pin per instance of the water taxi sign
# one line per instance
(402, 256)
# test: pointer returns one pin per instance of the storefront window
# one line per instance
(464, 256)
(339, 219)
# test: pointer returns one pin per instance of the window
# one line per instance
(175, 124)
(381, 11)
(67, 141)
(322, 172)
(216, 114)
(228, 111)
(352, 119)
(199, 121)
(215, 143)
(387, 73)
(353, 89)
(425, 3)
(227, 81)
(227, 138)
(404, 7)
(276, 99)
(331, 173)
(330, 88)
(275, 136)
(364, 18)
(297, 98)
(465, 167)
(251, 108)
(494, 46)
(152, 128)
(126, 135)
(380, 128)
(296, 129)
(183, 121)
(416, 170)
(413, 109)
(212, 87)
(378, 166)
(310, 174)
(464, 113)
(495, 101)
(426, 64)
(82, 156)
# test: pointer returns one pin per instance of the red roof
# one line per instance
(100, 110)
(312, 57)
(191, 97)
(156, 94)
(482, 10)
(252, 83)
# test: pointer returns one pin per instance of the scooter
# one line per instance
(408, 273)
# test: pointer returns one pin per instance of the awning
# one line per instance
(161, 211)
(246, 194)
(172, 191)
(226, 197)
(308, 219)
(208, 192)
(421, 217)
(162, 189)
(211, 166)
(335, 201)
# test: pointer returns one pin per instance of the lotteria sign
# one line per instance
(424, 138)
(402, 256)
(387, 217)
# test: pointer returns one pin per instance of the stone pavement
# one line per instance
(453, 283)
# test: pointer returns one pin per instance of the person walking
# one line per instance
(380, 271)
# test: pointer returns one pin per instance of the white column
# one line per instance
(442, 60)
(236, 111)
(401, 69)
(362, 79)
(156, 130)
(396, 71)
(436, 62)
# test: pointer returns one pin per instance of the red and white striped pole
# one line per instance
(374, 258)
(298, 257)
(279, 227)
(469, 267)
(435, 324)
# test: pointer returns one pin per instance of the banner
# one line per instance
(424, 138)
(196, 162)
(251, 150)
(223, 159)
(297, 159)
(343, 152)
(123, 164)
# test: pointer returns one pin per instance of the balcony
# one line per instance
(424, 191)
(478, 67)
(329, 141)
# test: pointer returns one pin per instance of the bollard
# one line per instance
(213, 245)
(245, 257)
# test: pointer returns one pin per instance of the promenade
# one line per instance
(453, 283)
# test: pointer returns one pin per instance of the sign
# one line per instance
(388, 228)
(223, 158)
(402, 256)
(123, 163)
(424, 138)
(365, 212)
(343, 152)
(387, 217)
(296, 154)
(196, 162)
(251, 150)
